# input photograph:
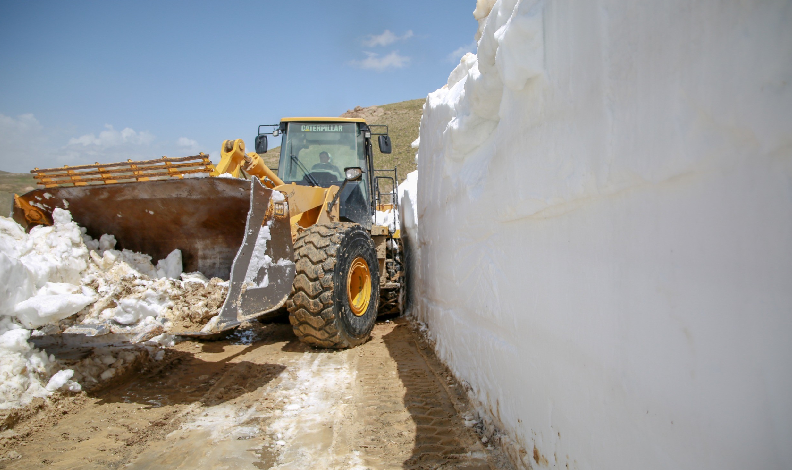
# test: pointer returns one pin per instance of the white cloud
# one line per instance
(112, 138)
(188, 145)
(385, 39)
(110, 145)
(373, 61)
(23, 124)
(458, 53)
(21, 141)
(25, 143)
(185, 142)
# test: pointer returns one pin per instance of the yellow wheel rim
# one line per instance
(359, 286)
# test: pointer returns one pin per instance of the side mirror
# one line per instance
(353, 173)
(385, 144)
(261, 143)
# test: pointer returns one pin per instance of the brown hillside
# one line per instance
(11, 183)
(403, 120)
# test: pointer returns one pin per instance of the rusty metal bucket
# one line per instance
(215, 222)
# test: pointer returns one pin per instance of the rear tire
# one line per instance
(328, 307)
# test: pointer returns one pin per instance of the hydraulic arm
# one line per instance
(233, 159)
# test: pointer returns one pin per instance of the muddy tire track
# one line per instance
(261, 399)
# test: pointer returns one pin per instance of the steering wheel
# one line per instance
(324, 178)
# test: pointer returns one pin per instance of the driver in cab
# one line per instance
(325, 165)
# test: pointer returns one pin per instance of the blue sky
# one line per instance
(106, 81)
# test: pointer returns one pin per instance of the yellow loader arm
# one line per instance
(233, 159)
(307, 205)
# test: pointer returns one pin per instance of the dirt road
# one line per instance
(261, 399)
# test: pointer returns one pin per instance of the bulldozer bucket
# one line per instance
(263, 270)
(225, 227)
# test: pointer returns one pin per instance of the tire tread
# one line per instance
(310, 304)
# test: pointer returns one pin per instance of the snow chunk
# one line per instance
(389, 219)
(135, 308)
(107, 242)
(171, 266)
(17, 282)
(260, 259)
(15, 340)
(194, 277)
(164, 339)
(49, 308)
(62, 380)
(60, 216)
(278, 196)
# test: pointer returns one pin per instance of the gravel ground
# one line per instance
(261, 399)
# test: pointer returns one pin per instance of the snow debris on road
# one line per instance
(24, 371)
(57, 279)
(226, 422)
(312, 399)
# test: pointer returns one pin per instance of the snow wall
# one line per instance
(603, 248)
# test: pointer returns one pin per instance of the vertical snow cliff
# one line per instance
(604, 239)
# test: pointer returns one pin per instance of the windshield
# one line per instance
(317, 152)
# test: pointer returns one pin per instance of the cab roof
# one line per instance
(322, 119)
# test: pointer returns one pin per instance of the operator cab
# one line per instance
(317, 152)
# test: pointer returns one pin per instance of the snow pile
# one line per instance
(605, 218)
(25, 372)
(57, 279)
(389, 218)
(40, 274)
(102, 365)
(135, 297)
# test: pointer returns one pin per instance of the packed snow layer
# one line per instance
(56, 279)
(313, 395)
(605, 208)
(389, 218)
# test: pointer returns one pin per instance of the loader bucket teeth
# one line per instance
(263, 269)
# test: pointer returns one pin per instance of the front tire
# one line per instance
(335, 295)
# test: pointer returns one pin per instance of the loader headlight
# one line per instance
(353, 174)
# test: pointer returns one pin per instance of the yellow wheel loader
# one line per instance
(305, 235)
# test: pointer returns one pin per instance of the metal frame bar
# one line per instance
(378, 133)
(111, 173)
